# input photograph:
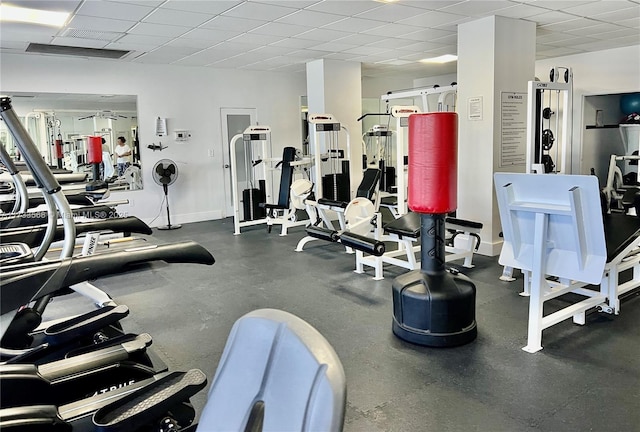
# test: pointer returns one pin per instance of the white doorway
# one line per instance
(234, 121)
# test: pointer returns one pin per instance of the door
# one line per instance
(234, 121)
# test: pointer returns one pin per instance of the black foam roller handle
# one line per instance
(362, 243)
(322, 233)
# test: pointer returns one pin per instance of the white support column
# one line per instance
(495, 55)
(335, 87)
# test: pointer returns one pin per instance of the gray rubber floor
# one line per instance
(587, 378)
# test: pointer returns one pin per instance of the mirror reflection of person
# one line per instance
(123, 151)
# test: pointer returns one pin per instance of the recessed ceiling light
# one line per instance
(441, 59)
(32, 16)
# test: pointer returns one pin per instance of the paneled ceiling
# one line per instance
(388, 38)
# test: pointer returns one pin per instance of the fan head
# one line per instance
(165, 172)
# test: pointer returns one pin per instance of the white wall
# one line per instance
(602, 72)
(190, 98)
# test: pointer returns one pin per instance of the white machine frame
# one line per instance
(566, 89)
(423, 93)
(405, 255)
(252, 134)
(548, 232)
(320, 123)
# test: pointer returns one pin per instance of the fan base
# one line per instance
(169, 227)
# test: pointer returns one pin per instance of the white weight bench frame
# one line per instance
(405, 254)
(553, 226)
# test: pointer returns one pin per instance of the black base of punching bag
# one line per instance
(434, 310)
(431, 306)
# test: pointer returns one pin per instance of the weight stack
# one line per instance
(336, 187)
(251, 199)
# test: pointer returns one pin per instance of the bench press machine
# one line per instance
(553, 227)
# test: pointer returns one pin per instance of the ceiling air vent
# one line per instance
(76, 51)
(106, 36)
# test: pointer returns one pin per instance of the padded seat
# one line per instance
(332, 203)
(620, 231)
(405, 226)
(277, 373)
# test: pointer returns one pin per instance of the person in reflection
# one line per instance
(123, 151)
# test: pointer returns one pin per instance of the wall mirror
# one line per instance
(71, 119)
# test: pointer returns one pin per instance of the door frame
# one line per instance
(227, 208)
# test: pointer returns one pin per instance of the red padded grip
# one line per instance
(433, 162)
(94, 149)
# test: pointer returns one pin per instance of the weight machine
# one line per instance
(255, 146)
(541, 138)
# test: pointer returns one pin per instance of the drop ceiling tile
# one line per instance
(354, 25)
(431, 5)
(561, 5)
(280, 29)
(192, 43)
(595, 29)
(367, 50)
(295, 43)
(342, 56)
(422, 46)
(307, 54)
(255, 39)
(551, 18)
(390, 12)
(158, 30)
(477, 8)
(129, 46)
(223, 22)
(298, 4)
(204, 57)
(276, 51)
(633, 23)
(176, 17)
(333, 46)
(210, 34)
(362, 39)
(574, 24)
(311, 18)
(391, 30)
(431, 19)
(620, 15)
(623, 32)
(149, 41)
(294, 68)
(427, 34)
(346, 8)
(451, 39)
(392, 43)
(322, 35)
(207, 7)
(107, 9)
(252, 10)
(597, 7)
(76, 42)
(150, 3)
(520, 11)
(164, 55)
(100, 24)
(370, 59)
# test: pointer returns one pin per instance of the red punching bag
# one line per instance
(94, 150)
(433, 160)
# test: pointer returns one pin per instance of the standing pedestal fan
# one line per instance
(165, 173)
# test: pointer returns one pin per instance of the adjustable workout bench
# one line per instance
(405, 231)
(553, 227)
